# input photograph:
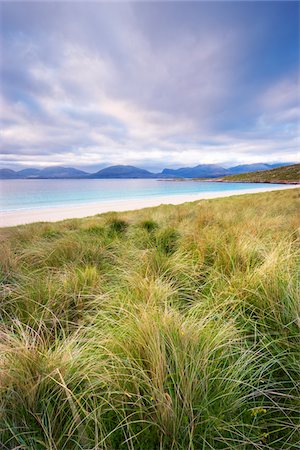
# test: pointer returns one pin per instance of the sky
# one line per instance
(151, 84)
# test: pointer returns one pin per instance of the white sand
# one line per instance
(53, 214)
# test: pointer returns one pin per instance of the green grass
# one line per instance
(175, 327)
(285, 174)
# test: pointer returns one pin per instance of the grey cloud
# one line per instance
(97, 82)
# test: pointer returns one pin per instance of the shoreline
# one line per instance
(220, 180)
(54, 214)
(280, 183)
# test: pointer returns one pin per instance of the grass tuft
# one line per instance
(175, 327)
(118, 226)
(149, 225)
(167, 240)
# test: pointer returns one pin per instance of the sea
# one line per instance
(17, 195)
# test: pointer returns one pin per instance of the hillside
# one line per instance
(285, 174)
(174, 327)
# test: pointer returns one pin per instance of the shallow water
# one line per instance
(34, 194)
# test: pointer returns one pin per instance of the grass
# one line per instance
(175, 327)
(285, 174)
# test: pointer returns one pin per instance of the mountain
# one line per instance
(123, 172)
(245, 168)
(29, 173)
(8, 174)
(274, 166)
(48, 172)
(282, 174)
(200, 171)
(61, 172)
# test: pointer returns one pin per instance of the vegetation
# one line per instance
(285, 174)
(175, 327)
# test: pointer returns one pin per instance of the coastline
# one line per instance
(222, 180)
(258, 182)
(54, 214)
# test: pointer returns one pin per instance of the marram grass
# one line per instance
(174, 327)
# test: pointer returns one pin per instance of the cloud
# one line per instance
(136, 83)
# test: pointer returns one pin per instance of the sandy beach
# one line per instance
(54, 214)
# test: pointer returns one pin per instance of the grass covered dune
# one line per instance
(175, 327)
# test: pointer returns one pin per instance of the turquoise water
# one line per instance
(34, 194)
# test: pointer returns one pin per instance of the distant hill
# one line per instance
(29, 173)
(61, 172)
(8, 174)
(200, 171)
(285, 174)
(48, 172)
(245, 168)
(123, 172)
